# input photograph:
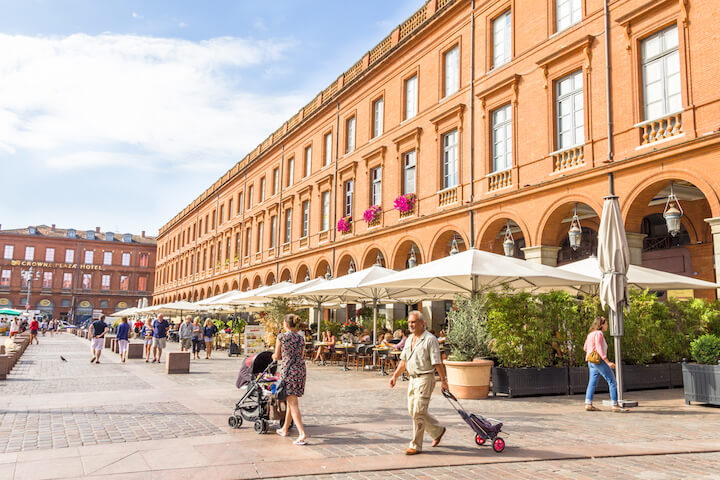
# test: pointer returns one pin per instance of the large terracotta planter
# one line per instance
(469, 379)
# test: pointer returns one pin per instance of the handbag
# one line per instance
(281, 391)
(594, 357)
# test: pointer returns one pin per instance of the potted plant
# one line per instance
(405, 204)
(344, 224)
(468, 338)
(372, 214)
(701, 380)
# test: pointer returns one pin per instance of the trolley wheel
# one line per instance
(235, 421)
(498, 445)
(479, 440)
(261, 426)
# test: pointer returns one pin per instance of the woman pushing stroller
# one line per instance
(289, 348)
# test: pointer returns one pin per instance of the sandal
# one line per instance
(300, 441)
(591, 408)
(281, 433)
(618, 409)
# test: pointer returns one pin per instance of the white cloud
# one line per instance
(82, 101)
(136, 15)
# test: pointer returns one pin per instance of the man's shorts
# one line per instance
(33, 332)
(159, 343)
(186, 343)
(97, 343)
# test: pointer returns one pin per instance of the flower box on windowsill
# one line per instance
(344, 225)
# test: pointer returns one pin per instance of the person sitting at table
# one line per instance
(346, 337)
(401, 344)
(397, 334)
(441, 337)
(321, 348)
(365, 338)
(385, 342)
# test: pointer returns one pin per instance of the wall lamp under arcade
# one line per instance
(575, 233)
(351, 268)
(454, 246)
(412, 261)
(672, 213)
(509, 241)
(328, 275)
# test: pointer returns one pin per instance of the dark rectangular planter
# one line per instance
(647, 377)
(701, 383)
(518, 382)
(578, 380)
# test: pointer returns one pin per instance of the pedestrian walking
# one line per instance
(97, 332)
(289, 348)
(197, 338)
(599, 365)
(137, 327)
(160, 329)
(44, 326)
(147, 334)
(122, 336)
(53, 326)
(209, 332)
(33, 331)
(14, 327)
(185, 333)
(421, 357)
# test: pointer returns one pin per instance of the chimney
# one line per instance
(97, 229)
(53, 227)
(143, 234)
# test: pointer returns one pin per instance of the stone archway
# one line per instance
(403, 252)
(257, 282)
(302, 273)
(270, 278)
(343, 265)
(285, 275)
(443, 242)
(235, 285)
(245, 285)
(226, 288)
(555, 244)
(322, 268)
(372, 256)
(493, 234)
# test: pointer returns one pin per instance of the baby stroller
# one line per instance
(484, 428)
(259, 403)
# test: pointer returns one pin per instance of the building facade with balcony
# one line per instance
(76, 274)
(477, 123)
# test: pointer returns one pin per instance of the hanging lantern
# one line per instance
(378, 260)
(351, 268)
(412, 262)
(509, 242)
(672, 213)
(454, 247)
(307, 277)
(328, 275)
(575, 233)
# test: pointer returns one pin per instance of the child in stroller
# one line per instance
(259, 403)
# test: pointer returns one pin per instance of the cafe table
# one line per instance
(322, 357)
(380, 350)
(344, 347)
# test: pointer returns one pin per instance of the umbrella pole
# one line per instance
(617, 333)
(374, 329)
(317, 317)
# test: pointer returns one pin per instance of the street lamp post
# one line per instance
(28, 275)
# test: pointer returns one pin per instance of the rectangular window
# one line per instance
(288, 225)
(251, 192)
(240, 203)
(228, 246)
(125, 259)
(452, 70)
(248, 237)
(144, 259)
(47, 280)
(378, 112)
(67, 281)
(8, 253)
(502, 40)
(325, 212)
(220, 221)
(210, 257)
(107, 258)
(348, 203)
(87, 281)
(213, 220)
(308, 160)
(661, 74)
(142, 284)
(106, 282)
(238, 252)
(567, 13)
(89, 254)
(328, 149)
(262, 189)
(376, 186)
(276, 181)
(411, 97)
(502, 138)
(273, 229)
(450, 170)
(219, 252)
(305, 218)
(260, 237)
(569, 111)
(124, 283)
(207, 223)
(49, 254)
(229, 217)
(5, 278)
(291, 172)
(350, 135)
(30, 253)
(408, 172)
(69, 256)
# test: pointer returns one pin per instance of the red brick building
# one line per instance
(75, 273)
(496, 115)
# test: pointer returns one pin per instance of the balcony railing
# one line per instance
(499, 180)
(271, 252)
(286, 247)
(324, 236)
(409, 213)
(447, 196)
(568, 158)
(303, 242)
(258, 256)
(661, 128)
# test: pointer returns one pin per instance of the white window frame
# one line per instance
(288, 225)
(273, 230)
(411, 97)
(67, 280)
(251, 194)
(451, 68)
(276, 180)
(450, 159)
(291, 171)
(505, 126)
(570, 124)
(69, 255)
(502, 39)
(376, 186)
(308, 160)
(262, 189)
(29, 254)
(8, 252)
(107, 258)
(325, 216)
(126, 259)
(47, 280)
(378, 113)
(328, 149)
(88, 277)
(5, 278)
(124, 282)
(105, 282)
(348, 188)
(305, 219)
(49, 254)
(567, 14)
(248, 240)
(350, 134)
(666, 60)
(409, 170)
(260, 229)
(89, 257)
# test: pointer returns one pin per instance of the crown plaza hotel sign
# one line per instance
(28, 263)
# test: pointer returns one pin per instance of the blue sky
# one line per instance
(118, 113)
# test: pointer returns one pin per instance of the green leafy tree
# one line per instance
(467, 331)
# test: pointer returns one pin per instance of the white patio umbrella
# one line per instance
(217, 299)
(303, 292)
(128, 312)
(641, 277)
(614, 262)
(260, 294)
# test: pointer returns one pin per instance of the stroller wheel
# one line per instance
(261, 426)
(235, 421)
(499, 445)
(479, 440)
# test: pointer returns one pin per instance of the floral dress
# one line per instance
(293, 365)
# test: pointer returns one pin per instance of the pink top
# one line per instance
(595, 341)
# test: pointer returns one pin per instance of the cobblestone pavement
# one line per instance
(75, 419)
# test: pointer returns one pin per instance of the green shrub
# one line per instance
(560, 314)
(691, 318)
(711, 318)
(648, 327)
(335, 328)
(706, 349)
(467, 331)
(401, 324)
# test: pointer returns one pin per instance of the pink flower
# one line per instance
(405, 203)
(344, 224)
(372, 214)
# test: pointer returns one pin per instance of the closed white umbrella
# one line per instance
(614, 261)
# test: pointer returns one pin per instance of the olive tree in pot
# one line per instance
(468, 338)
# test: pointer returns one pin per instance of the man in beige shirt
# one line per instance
(421, 357)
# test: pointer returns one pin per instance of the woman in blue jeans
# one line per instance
(595, 342)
